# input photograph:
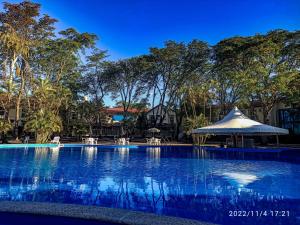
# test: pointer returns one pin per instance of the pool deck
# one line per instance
(101, 214)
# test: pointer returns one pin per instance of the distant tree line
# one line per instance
(48, 73)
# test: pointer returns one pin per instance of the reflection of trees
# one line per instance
(28, 168)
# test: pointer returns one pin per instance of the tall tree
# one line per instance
(58, 61)
(22, 29)
(174, 66)
(291, 54)
(94, 82)
(126, 81)
(269, 69)
(231, 71)
(44, 120)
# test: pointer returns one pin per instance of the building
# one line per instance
(161, 115)
(116, 114)
(163, 118)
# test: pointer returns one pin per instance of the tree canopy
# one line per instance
(58, 79)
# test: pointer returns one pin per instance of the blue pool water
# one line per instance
(202, 184)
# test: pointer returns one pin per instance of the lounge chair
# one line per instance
(56, 140)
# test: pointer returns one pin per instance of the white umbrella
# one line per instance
(153, 130)
(235, 122)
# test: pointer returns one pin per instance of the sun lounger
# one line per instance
(56, 140)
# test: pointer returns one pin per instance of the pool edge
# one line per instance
(113, 215)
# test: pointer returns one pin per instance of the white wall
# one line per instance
(156, 111)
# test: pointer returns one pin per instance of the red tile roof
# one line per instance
(120, 110)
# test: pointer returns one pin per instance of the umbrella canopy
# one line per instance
(235, 122)
(153, 130)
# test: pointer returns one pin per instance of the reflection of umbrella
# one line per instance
(153, 130)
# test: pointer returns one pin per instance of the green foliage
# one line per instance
(230, 72)
(49, 75)
(94, 83)
(5, 126)
(256, 69)
(44, 123)
(191, 123)
(126, 82)
(44, 117)
(173, 68)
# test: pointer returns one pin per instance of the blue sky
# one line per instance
(129, 27)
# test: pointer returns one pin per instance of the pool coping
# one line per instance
(103, 214)
(135, 145)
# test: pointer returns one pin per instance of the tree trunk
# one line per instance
(18, 107)
(265, 114)
(178, 124)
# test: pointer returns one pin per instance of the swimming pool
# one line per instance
(232, 187)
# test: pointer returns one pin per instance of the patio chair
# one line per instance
(90, 141)
(121, 141)
(26, 139)
(157, 141)
(127, 141)
(148, 141)
(56, 140)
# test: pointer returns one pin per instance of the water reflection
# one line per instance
(189, 183)
(123, 152)
(240, 179)
(90, 154)
(154, 153)
(200, 153)
(54, 152)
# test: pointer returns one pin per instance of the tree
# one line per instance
(126, 81)
(5, 126)
(43, 123)
(94, 82)
(271, 73)
(174, 67)
(22, 29)
(291, 54)
(43, 119)
(231, 72)
(58, 62)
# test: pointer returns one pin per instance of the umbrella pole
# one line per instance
(242, 141)
(235, 141)
(277, 140)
